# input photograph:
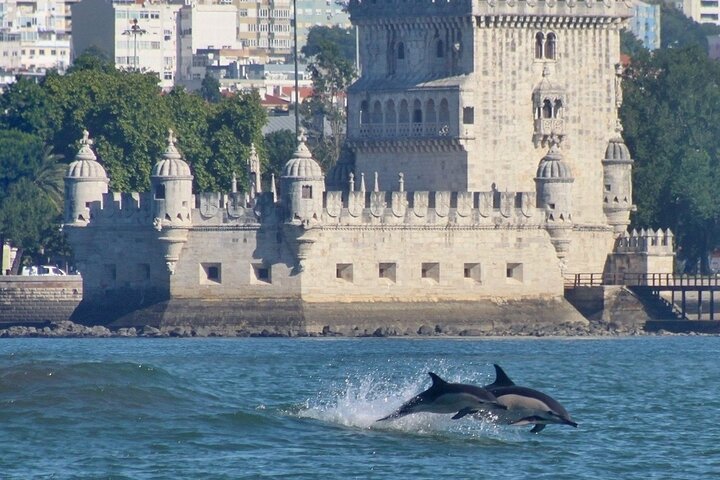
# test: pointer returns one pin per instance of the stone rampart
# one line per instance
(41, 299)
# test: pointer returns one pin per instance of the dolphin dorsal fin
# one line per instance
(501, 378)
(437, 381)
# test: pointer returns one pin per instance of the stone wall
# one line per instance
(26, 300)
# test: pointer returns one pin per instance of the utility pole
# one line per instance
(135, 30)
(295, 54)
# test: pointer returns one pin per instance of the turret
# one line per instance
(172, 202)
(617, 185)
(85, 184)
(172, 187)
(554, 194)
(303, 185)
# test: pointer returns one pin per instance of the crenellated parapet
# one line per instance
(651, 242)
(440, 208)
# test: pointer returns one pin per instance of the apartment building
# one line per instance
(35, 35)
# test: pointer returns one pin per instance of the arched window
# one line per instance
(377, 116)
(439, 49)
(404, 116)
(539, 40)
(444, 116)
(550, 46)
(547, 109)
(390, 115)
(557, 111)
(430, 114)
(364, 114)
(417, 112)
(401, 51)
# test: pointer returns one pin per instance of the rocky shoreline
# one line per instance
(68, 329)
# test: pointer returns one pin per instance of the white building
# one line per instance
(140, 35)
(34, 35)
(702, 11)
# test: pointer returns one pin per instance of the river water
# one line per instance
(306, 409)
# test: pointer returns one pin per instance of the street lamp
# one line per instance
(135, 30)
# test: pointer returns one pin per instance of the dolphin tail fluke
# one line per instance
(538, 428)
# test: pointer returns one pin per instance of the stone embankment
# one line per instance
(67, 329)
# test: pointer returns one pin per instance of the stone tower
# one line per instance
(172, 202)
(554, 194)
(85, 184)
(303, 186)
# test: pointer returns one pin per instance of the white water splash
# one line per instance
(363, 401)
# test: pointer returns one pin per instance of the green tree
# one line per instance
(320, 36)
(210, 89)
(280, 147)
(31, 190)
(671, 116)
(26, 106)
(679, 31)
(93, 58)
(235, 125)
(331, 75)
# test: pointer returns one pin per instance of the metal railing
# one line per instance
(641, 279)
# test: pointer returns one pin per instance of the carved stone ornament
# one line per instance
(526, 203)
(511, 3)
(550, 3)
(399, 204)
(507, 200)
(485, 202)
(209, 207)
(464, 204)
(492, 3)
(442, 204)
(334, 203)
(377, 203)
(356, 203)
(532, 3)
(420, 204)
(235, 206)
(571, 3)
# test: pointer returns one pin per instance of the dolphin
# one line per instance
(446, 397)
(525, 406)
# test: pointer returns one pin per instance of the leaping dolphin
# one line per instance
(525, 406)
(446, 397)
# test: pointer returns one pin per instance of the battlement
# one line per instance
(383, 9)
(646, 241)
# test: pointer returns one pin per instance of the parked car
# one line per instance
(46, 270)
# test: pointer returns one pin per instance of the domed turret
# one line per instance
(554, 193)
(303, 185)
(85, 183)
(617, 181)
(172, 187)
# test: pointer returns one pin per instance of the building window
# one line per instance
(430, 272)
(261, 274)
(344, 271)
(514, 272)
(143, 271)
(388, 271)
(472, 272)
(160, 192)
(468, 115)
(306, 191)
(210, 273)
(545, 46)
(439, 49)
(401, 51)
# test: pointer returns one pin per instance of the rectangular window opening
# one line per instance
(430, 272)
(473, 272)
(261, 274)
(388, 271)
(514, 272)
(344, 271)
(210, 273)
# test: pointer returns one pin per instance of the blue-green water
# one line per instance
(305, 409)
